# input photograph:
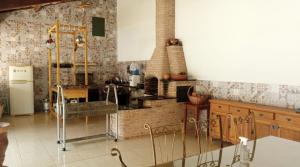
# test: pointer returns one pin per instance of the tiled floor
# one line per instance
(32, 143)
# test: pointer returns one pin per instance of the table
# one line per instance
(269, 152)
(70, 93)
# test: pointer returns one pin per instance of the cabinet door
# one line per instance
(288, 126)
(263, 128)
(264, 123)
(288, 132)
(232, 132)
(215, 128)
(242, 128)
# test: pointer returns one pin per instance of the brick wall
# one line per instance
(162, 112)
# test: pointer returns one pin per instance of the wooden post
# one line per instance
(50, 79)
(74, 58)
(86, 68)
(86, 57)
(57, 52)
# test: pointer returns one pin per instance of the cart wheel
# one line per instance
(64, 149)
(116, 140)
(58, 142)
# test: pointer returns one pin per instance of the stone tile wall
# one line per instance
(266, 94)
(23, 35)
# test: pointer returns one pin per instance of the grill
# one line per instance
(151, 86)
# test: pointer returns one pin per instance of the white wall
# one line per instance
(233, 40)
(136, 29)
(241, 40)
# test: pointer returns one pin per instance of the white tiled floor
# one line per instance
(32, 143)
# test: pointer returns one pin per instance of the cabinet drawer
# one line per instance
(238, 111)
(219, 108)
(263, 115)
(287, 119)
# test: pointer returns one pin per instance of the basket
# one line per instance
(199, 99)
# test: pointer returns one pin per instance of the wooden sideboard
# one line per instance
(275, 121)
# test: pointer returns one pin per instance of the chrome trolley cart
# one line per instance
(71, 110)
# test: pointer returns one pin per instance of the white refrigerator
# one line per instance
(21, 90)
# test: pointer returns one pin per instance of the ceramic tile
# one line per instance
(32, 142)
(266, 94)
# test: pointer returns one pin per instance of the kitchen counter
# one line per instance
(155, 112)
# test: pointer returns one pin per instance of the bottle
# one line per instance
(244, 153)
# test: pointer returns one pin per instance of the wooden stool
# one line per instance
(196, 108)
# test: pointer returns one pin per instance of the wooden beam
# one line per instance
(8, 5)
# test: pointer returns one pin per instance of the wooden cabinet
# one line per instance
(269, 120)
(263, 128)
(264, 123)
(288, 126)
(215, 129)
(288, 132)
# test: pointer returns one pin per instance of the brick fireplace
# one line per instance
(165, 29)
(159, 64)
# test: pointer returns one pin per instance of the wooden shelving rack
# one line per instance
(74, 92)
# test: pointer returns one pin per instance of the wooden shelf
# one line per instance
(62, 65)
(73, 31)
(89, 64)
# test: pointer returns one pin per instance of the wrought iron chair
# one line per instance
(244, 126)
(116, 152)
(204, 129)
(163, 141)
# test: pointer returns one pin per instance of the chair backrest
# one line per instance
(164, 139)
(116, 152)
(204, 129)
(244, 126)
(236, 155)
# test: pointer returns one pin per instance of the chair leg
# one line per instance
(197, 117)
(86, 120)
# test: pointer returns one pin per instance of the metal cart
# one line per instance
(66, 111)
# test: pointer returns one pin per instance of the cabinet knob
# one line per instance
(238, 110)
(220, 106)
(275, 126)
(288, 119)
(261, 114)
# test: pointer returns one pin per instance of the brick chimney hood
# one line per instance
(165, 29)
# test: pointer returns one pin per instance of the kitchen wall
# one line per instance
(241, 50)
(242, 41)
(279, 95)
(136, 29)
(23, 35)
(123, 68)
